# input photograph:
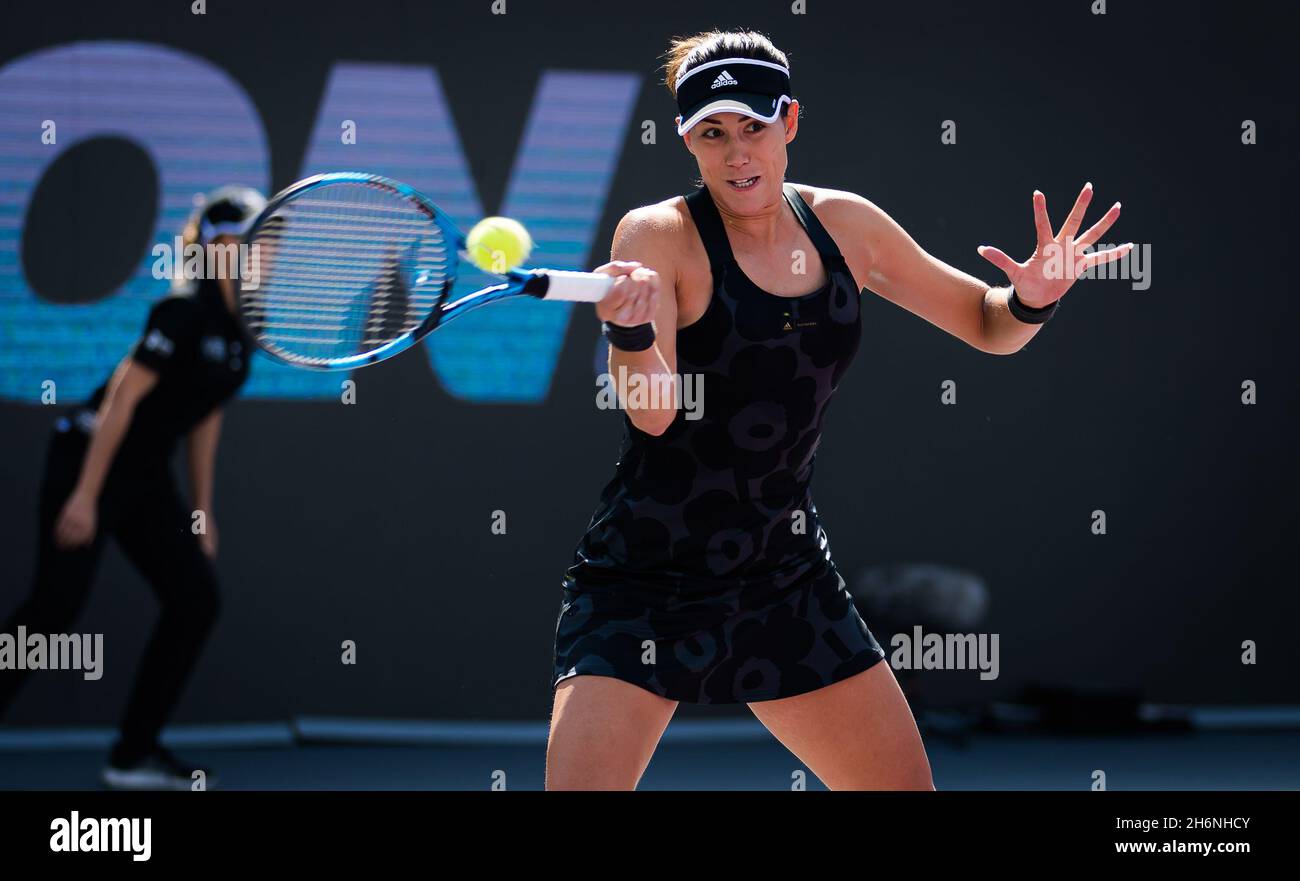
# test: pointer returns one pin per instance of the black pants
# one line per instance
(141, 508)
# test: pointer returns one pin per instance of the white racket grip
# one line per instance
(579, 287)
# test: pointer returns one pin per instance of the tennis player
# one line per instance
(705, 575)
(108, 472)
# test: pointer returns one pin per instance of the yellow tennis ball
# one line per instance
(497, 244)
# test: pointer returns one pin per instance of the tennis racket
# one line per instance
(347, 269)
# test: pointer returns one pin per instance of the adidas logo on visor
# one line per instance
(724, 79)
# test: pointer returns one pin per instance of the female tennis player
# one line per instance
(108, 472)
(705, 575)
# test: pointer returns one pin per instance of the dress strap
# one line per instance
(709, 223)
(714, 235)
(821, 239)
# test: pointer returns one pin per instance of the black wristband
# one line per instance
(1030, 314)
(629, 339)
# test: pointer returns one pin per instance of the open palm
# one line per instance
(1058, 260)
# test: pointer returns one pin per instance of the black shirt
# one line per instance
(200, 353)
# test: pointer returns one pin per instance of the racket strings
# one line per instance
(345, 269)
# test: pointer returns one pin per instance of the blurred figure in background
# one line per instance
(108, 472)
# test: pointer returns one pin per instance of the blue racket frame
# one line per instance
(517, 283)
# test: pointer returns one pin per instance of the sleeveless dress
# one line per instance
(704, 575)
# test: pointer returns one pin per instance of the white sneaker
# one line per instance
(158, 770)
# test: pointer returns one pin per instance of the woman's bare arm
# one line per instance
(901, 271)
(645, 237)
(130, 382)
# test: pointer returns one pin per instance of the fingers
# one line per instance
(1098, 229)
(634, 297)
(1041, 223)
(617, 268)
(641, 297)
(63, 531)
(1076, 213)
(999, 259)
(62, 537)
(72, 531)
(617, 297)
(1096, 258)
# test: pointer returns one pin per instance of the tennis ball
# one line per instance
(497, 244)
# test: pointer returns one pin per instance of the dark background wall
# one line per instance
(372, 522)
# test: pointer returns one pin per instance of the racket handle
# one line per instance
(580, 287)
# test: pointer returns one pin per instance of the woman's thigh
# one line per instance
(857, 733)
(603, 733)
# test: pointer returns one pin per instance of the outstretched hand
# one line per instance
(1058, 260)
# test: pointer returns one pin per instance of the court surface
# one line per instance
(729, 755)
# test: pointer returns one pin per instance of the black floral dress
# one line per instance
(705, 575)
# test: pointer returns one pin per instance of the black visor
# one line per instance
(229, 210)
(756, 88)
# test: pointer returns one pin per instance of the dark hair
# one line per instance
(685, 53)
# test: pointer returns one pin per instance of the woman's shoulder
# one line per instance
(838, 207)
(851, 220)
(659, 220)
(662, 228)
